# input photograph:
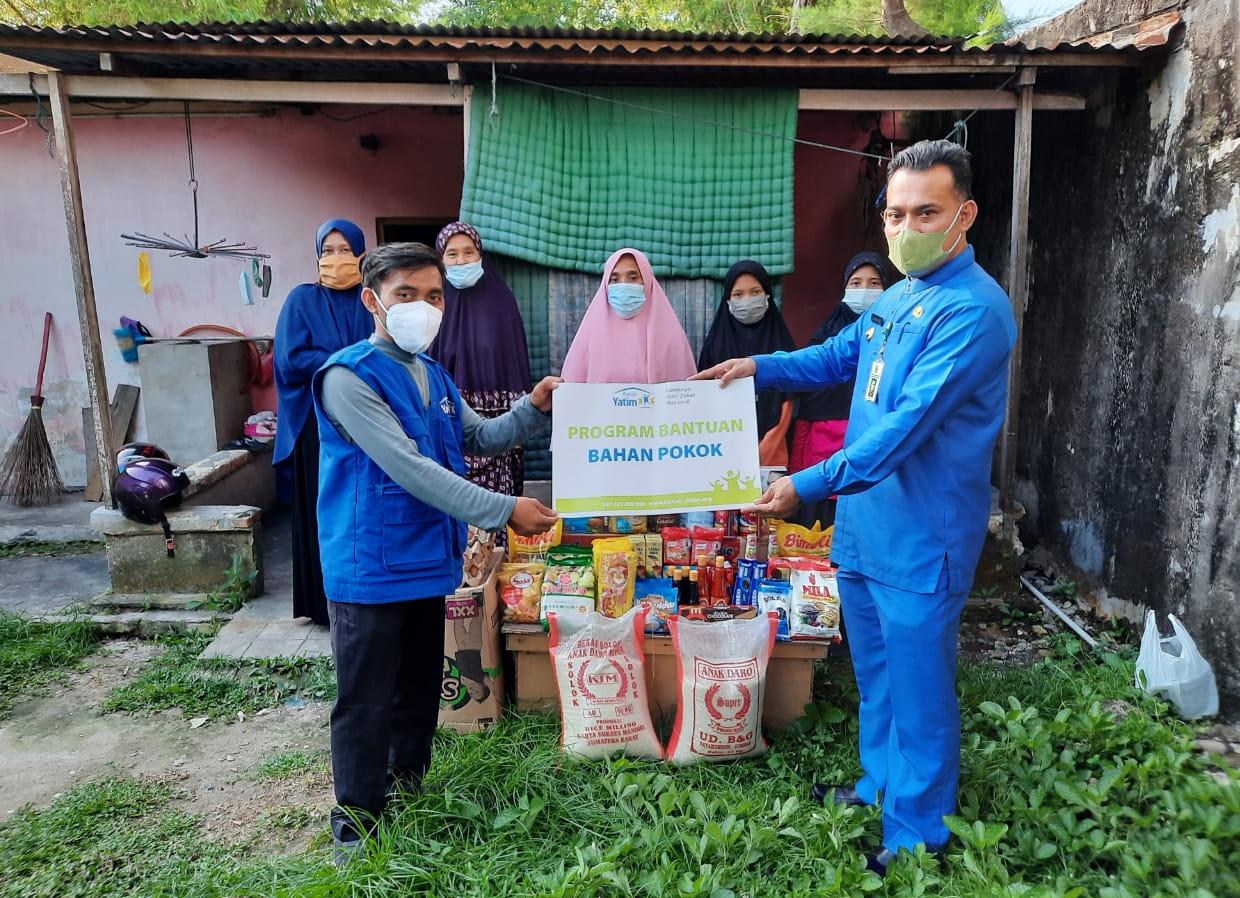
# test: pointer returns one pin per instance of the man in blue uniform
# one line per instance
(931, 363)
(393, 500)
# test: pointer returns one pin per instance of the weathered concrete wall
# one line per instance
(1130, 415)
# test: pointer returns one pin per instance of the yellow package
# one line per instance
(795, 541)
(654, 555)
(520, 589)
(528, 549)
(615, 569)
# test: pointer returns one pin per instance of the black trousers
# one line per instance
(389, 671)
(309, 600)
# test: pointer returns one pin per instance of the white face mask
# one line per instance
(413, 326)
(859, 299)
(748, 309)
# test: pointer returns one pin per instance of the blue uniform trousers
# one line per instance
(903, 647)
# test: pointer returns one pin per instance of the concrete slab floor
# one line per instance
(36, 585)
(67, 520)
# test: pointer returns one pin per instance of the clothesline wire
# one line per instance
(693, 118)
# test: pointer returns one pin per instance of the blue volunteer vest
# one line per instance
(377, 543)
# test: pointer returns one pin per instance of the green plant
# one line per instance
(50, 549)
(290, 764)
(219, 687)
(34, 653)
(1063, 586)
(238, 586)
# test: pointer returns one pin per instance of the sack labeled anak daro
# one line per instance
(1173, 669)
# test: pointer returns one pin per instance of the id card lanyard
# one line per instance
(876, 367)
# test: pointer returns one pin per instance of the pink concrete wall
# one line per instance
(269, 181)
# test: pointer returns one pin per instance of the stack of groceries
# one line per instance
(704, 566)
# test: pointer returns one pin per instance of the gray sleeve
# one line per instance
(495, 436)
(365, 420)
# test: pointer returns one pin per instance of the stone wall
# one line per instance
(1130, 412)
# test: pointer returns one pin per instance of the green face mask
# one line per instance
(916, 253)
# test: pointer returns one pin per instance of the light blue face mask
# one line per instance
(626, 299)
(463, 276)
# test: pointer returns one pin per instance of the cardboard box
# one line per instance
(471, 697)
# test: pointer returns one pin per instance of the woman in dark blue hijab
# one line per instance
(316, 321)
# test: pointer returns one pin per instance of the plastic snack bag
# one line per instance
(815, 612)
(677, 546)
(570, 571)
(627, 524)
(615, 569)
(722, 671)
(795, 541)
(526, 549)
(775, 597)
(600, 674)
(1174, 669)
(659, 596)
(520, 589)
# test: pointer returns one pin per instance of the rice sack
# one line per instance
(722, 671)
(600, 674)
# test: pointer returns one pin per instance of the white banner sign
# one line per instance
(677, 447)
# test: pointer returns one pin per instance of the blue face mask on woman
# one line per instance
(626, 300)
(464, 276)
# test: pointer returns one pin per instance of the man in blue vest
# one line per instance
(931, 363)
(393, 503)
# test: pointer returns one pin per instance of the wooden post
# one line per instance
(84, 287)
(1018, 280)
(467, 113)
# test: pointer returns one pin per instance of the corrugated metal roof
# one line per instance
(377, 36)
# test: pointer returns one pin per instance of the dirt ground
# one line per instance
(55, 741)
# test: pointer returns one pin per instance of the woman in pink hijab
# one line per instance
(630, 333)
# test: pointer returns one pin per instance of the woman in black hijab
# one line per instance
(748, 323)
(822, 416)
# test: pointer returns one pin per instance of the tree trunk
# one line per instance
(898, 23)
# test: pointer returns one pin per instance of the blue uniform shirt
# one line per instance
(914, 474)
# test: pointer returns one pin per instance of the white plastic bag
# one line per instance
(600, 673)
(1173, 669)
(722, 670)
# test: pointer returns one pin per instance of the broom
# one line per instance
(28, 474)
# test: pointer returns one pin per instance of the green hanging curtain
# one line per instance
(562, 181)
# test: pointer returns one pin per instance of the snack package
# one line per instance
(661, 521)
(479, 546)
(815, 612)
(706, 541)
(527, 549)
(722, 670)
(748, 573)
(775, 597)
(778, 569)
(659, 596)
(615, 569)
(725, 521)
(699, 519)
(627, 524)
(600, 674)
(730, 549)
(520, 589)
(714, 614)
(570, 572)
(677, 546)
(653, 554)
(585, 525)
(795, 541)
(573, 608)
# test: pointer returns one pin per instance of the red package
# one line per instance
(725, 521)
(677, 546)
(780, 569)
(730, 548)
(707, 541)
(747, 521)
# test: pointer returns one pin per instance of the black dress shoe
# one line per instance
(846, 795)
(877, 863)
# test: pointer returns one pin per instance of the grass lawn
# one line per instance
(1074, 785)
(33, 654)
